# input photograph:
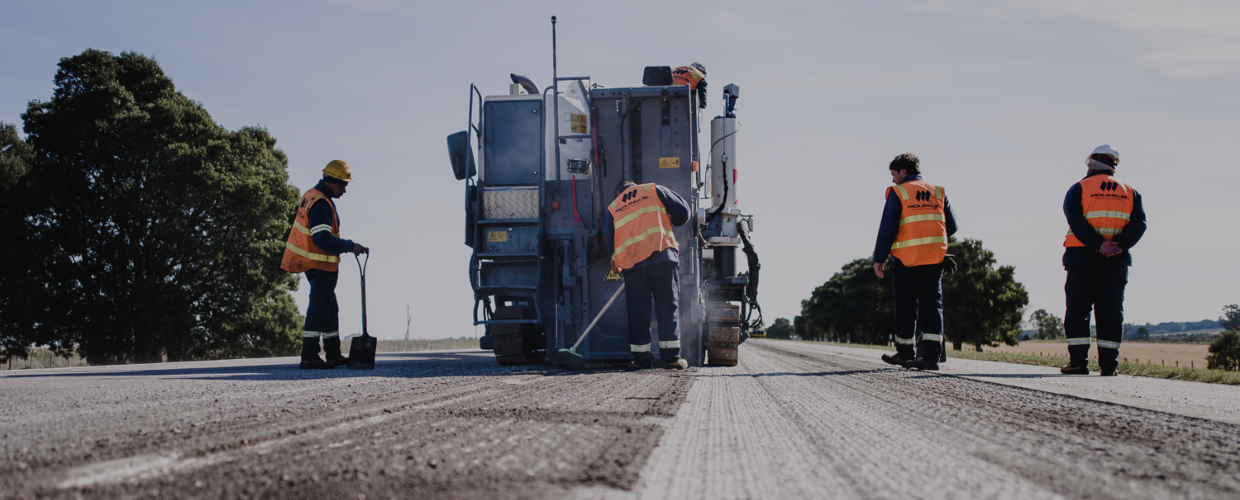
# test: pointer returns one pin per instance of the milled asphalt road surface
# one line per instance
(793, 420)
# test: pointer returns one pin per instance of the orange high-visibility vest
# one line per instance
(1107, 204)
(642, 226)
(687, 75)
(922, 237)
(300, 253)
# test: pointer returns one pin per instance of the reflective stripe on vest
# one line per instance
(642, 226)
(300, 252)
(922, 237)
(687, 75)
(1107, 204)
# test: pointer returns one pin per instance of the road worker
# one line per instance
(314, 247)
(917, 220)
(693, 75)
(638, 229)
(1105, 219)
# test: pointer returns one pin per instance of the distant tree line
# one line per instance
(137, 228)
(983, 304)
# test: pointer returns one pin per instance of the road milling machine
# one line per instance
(540, 169)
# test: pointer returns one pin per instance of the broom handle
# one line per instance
(600, 316)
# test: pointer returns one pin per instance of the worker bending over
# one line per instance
(1105, 218)
(314, 247)
(638, 229)
(693, 75)
(916, 223)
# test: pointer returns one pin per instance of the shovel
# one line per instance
(362, 349)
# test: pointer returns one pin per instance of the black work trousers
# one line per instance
(662, 283)
(323, 314)
(1100, 289)
(918, 293)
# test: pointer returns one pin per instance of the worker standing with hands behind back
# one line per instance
(314, 247)
(917, 220)
(1105, 218)
(638, 229)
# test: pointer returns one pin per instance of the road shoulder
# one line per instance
(1216, 402)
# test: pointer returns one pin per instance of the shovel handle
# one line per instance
(362, 270)
(599, 316)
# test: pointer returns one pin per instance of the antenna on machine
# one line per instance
(554, 71)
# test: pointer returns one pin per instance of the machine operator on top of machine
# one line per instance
(638, 229)
(693, 75)
(1105, 218)
(314, 247)
(916, 223)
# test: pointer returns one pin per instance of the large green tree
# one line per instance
(153, 232)
(853, 306)
(1230, 320)
(983, 304)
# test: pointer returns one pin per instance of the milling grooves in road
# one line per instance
(793, 420)
(440, 425)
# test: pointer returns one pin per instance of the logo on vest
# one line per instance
(1109, 186)
(628, 196)
(924, 196)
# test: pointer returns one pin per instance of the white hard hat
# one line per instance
(1106, 149)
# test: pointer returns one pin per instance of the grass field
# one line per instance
(1192, 355)
(1056, 354)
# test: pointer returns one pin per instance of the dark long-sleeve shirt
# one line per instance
(320, 226)
(890, 224)
(677, 212)
(1088, 255)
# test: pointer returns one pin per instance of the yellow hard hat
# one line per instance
(339, 169)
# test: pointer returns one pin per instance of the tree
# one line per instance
(1231, 317)
(1140, 333)
(982, 305)
(15, 157)
(1225, 352)
(155, 232)
(780, 329)
(853, 306)
(1045, 326)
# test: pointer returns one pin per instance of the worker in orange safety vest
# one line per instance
(1105, 219)
(693, 75)
(638, 229)
(917, 220)
(314, 247)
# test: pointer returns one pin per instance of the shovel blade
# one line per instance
(362, 352)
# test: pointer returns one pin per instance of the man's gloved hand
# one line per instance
(949, 264)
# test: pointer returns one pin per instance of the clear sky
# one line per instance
(1002, 100)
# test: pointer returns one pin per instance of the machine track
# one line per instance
(723, 333)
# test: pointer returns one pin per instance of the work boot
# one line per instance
(895, 359)
(332, 347)
(675, 364)
(310, 359)
(1071, 369)
(923, 364)
(315, 363)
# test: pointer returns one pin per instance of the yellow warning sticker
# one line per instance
(578, 123)
(497, 236)
(669, 162)
(612, 277)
